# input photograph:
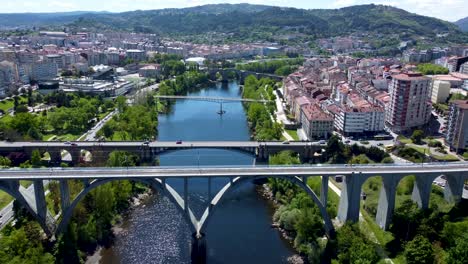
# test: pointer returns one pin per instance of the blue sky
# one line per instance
(450, 10)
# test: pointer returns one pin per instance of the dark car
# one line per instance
(179, 142)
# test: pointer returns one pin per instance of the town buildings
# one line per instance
(457, 126)
(315, 122)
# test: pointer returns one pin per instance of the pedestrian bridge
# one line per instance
(156, 178)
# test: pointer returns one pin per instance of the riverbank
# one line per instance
(266, 193)
(117, 228)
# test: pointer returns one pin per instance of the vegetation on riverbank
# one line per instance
(281, 67)
(135, 122)
(259, 115)
(433, 235)
(90, 226)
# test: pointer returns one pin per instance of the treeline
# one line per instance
(93, 218)
(339, 153)
(183, 83)
(74, 114)
(259, 115)
(431, 69)
(279, 67)
(136, 122)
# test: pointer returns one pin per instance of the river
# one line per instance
(240, 230)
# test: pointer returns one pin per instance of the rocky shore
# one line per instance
(135, 202)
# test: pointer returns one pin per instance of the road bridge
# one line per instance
(148, 151)
(157, 177)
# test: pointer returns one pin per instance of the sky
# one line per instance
(450, 10)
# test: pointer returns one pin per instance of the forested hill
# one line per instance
(245, 19)
(463, 24)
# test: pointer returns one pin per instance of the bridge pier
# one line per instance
(422, 190)
(453, 190)
(64, 194)
(323, 190)
(350, 198)
(198, 250)
(387, 201)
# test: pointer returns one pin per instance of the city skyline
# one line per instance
(451, 10)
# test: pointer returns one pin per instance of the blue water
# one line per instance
(239, 231)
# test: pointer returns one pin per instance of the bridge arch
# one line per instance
(238, 181)
(154, 183)
(242, 150)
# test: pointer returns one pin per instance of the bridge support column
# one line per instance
(453, 190)
(350, 198)
(198, 252)
(64, 195)
(41, 205)
(386, 201)
(324, 191)
(422, 190)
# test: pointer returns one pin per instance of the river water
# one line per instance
(239, 232)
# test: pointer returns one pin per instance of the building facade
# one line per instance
(440, 91)
(316, 123)
(409, 105)
(457, 126)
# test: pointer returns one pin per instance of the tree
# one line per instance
(458, 254)
(21, 109)
(36, 158)
(417, 136)
(419, 251)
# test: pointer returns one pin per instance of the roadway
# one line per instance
(157, 144)
(238, 171)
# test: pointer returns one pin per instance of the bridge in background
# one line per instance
(213, 99)
(148, 151)
(228, 73)
(157, 178)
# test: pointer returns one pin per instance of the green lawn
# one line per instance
(5, 199)
(292, 133)
(9, 103)
(422, 150)
(465, 155)
(404, 139)
(369, 226)
(64, 137)
(446, 157)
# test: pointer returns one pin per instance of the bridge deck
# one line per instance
(238, 171)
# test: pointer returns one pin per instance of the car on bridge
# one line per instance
(179, 142)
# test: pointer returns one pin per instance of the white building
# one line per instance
(440, 91)
(44, 70)
(136, 55)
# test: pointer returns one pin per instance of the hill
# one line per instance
(249, 22)
(463, 24)
(227, 18)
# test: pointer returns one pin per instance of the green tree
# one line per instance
(417, 136)
(419, 251)
(36, 158)
(458, 254)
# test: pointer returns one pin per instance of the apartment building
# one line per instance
(457, 126)
(409, 105)
(315, 122)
